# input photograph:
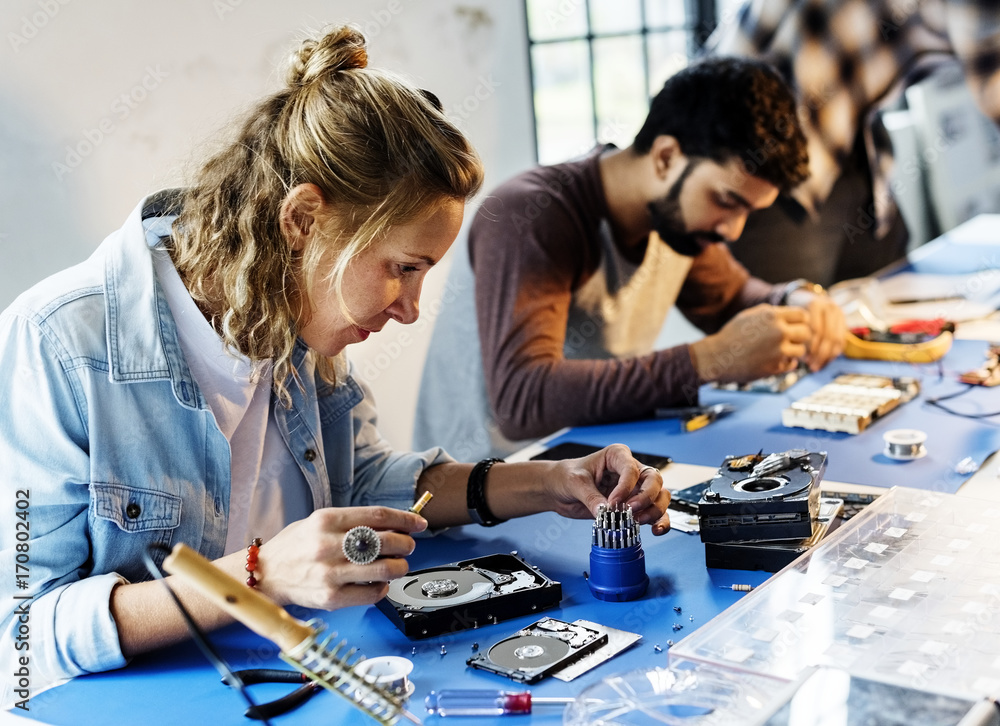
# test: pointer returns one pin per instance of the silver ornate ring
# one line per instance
(361, 545)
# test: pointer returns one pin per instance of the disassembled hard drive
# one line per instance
(763, 497)
(467, 594)
(539, 649)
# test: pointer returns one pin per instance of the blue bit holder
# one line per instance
(617, 561)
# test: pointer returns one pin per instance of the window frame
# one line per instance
(701, 21)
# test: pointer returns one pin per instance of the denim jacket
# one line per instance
(106, 436)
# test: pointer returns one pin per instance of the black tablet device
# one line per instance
(574, 450)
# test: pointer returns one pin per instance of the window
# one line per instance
(596, 63)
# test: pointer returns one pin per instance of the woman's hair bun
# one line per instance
(340, 49)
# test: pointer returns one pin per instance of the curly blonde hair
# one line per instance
(378, 148)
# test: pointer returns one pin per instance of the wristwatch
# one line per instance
(801, 284)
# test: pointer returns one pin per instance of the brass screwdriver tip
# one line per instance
(421, 503)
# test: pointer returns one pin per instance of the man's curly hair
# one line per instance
(727, 107)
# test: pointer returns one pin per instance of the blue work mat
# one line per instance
(756, 425)
(178, 686)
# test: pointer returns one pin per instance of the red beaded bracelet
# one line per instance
(252, 551)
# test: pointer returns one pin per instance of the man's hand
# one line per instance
(760, 341)
(829, 331)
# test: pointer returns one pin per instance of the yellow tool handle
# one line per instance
(697, 422)
(926, 352)
(255, 610)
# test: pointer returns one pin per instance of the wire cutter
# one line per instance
(264, 711)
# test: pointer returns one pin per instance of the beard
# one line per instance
(668, 220)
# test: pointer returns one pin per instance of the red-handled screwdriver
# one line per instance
(484, 702)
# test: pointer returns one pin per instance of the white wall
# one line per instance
(102, 102)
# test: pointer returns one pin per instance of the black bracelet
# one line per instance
(475, 494)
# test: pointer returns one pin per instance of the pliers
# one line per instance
(264, 711)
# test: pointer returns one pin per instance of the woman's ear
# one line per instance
(300, 211)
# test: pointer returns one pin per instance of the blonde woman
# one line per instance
(187, 383)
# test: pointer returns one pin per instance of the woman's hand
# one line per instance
(611, 476)
(305, 563)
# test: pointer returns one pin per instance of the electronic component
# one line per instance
(617, 561)
(618, 641)
(683, 508)
(778, 383)
(850, 403)
(467, 594)
(686, 500)
(987, 374)
(759, 497)
(539, 650)
(854, 502)
(771, 555)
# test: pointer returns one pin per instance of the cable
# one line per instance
(228, 676)
(956, 394)
(936, 403)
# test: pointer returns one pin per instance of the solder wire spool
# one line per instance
(617, 562)
(388, 672)
(905, 444)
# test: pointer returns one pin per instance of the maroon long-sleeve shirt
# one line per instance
(535, 242)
